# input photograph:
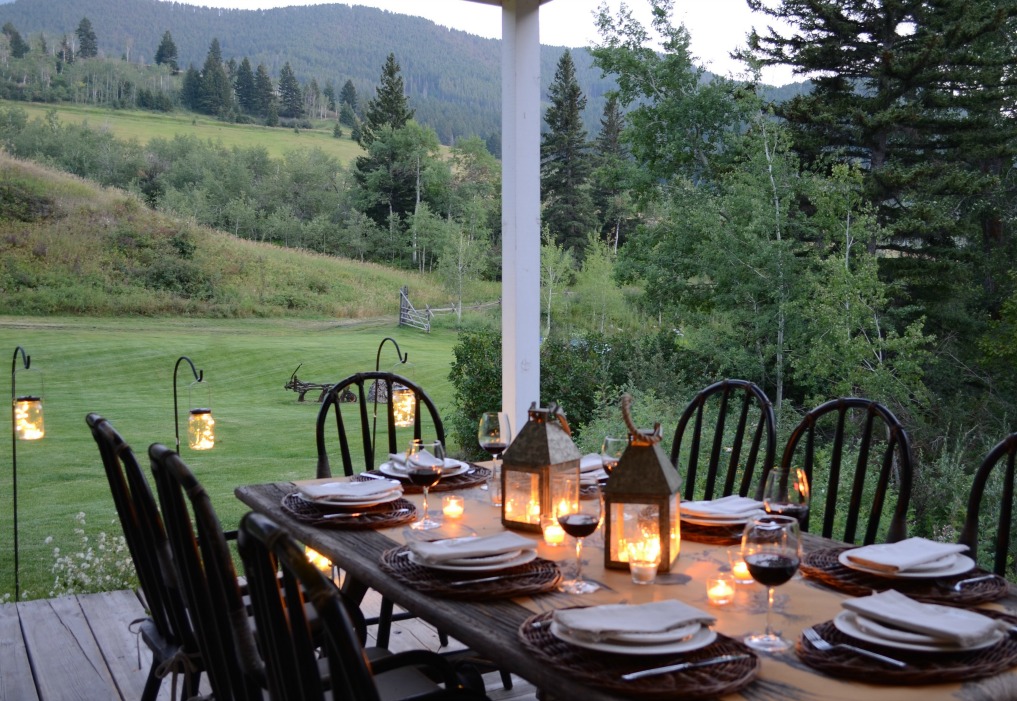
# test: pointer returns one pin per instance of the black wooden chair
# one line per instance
(868, 429)
(204, 568)
(1003, 546)
(714, 428)
(293, 667)
(355, 421)
(167, 631)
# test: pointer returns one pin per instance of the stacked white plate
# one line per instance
(731, 510)
(349, 494)
(657, 628)
(591, 469)
(395, 466)
(914, 558)
(473, 553)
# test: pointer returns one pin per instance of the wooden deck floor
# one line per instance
(80, 648)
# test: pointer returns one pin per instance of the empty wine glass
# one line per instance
(494, 434)
(771, 548)
(425, 461)
(611, 451)
(579, 519)
(787, 493)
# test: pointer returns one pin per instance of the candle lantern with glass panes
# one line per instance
(540, 469)
(641, 500)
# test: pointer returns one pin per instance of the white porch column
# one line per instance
(520, 149)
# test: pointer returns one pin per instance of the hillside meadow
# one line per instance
(143, 126)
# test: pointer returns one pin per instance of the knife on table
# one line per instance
(680, 666)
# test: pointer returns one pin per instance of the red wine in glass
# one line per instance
(771, 548)
(424, 464)
(424, 476)
(578, 525)
(798, 511)
(771, 570)
(494, 448)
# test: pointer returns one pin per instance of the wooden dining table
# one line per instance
(491, 627)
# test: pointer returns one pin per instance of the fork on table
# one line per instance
(820, 643)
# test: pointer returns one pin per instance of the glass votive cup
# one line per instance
(554, 534)
(494, 485)
(643, 563)
(720, 590)
(453, 506)
(739, 570)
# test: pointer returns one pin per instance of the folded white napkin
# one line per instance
(333, 490)
(732, 505)
(590, 462)
(438, 551)
(424, 458)
(951, 625)
(610, 621)
(902, 555)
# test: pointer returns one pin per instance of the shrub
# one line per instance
(102, 564)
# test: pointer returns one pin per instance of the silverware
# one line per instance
(464, 582)
(972, 580)
(820, 643)
(680, 666)
(355, 514)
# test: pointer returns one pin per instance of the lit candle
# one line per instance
(644, 557)
(554, 534)
(740, 571)
(719, 591)
(452, 506)
(533, 511)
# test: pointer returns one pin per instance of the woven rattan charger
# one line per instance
(474, 476)
(387, 515)
(712, 535)
(535, 577)
(923, 667)
(604, 670)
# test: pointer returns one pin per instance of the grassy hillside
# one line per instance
(68, 246)
(144, 126)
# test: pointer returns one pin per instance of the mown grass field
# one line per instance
(123, 369)
(143, 126)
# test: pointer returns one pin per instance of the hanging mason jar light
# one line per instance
(28, 421)
(404, 405)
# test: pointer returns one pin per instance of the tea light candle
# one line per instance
(644, 557)
(452, 506)
(719, 591)
(554, 534)
(740, 571)
(642, 572)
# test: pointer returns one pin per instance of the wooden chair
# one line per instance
(360, 414)
(740, 407)
(204, 568)
(293, 667)
(1007, 448)
(889, 445)
(167, 631)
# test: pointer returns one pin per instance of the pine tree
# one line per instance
(612, 166)
(244, 86)
(18, 46)
(65, 54)
(389, 109)
(216, 95)
(348, 96)
(565, 161)
(166, 54)
(329, 93)
(190, 89)
(291, 97)
(88, 45)
(264, 92)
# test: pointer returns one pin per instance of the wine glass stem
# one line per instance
(425, 503)
(579, 559)
(769, 611)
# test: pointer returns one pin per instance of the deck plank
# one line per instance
(16, 682)
(65, 658)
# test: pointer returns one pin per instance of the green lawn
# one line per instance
(123, 369)
(142, 126)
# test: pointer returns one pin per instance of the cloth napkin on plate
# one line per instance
(333, 490)
(902, 555)
(438, 551)
(591, 462)
(732, 505)
(951, 625)
(423, 458)
(612, 620)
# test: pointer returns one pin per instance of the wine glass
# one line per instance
(579, 519)
(425, 461)
(771, 548)
(610, 452)
(787, 493)
(494, 435)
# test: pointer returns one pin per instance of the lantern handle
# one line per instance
(653, 436)
(554, 410)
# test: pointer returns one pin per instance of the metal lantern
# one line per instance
(28, 424)
(641, 500)
(404, 405)
(200, 429)
(540, 469)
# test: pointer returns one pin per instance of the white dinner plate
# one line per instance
(393, 470)
(959, 565)
(720, 520)
(354, 503)
(701, 638)
(868, 631)
(521, 559)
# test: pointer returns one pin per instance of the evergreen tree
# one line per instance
(264, 92)
(337, 130)
(43, 46)
(611, 173)
(88, 45)
(348, 96)
(389, 110)
(329, 93)
(312, 99)
(65, 54)
(216, 96)
(291, 97)
(346, 115)
(18, 46)
(565, 162)
(190, 89)
(245, 89)
(166, 54)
